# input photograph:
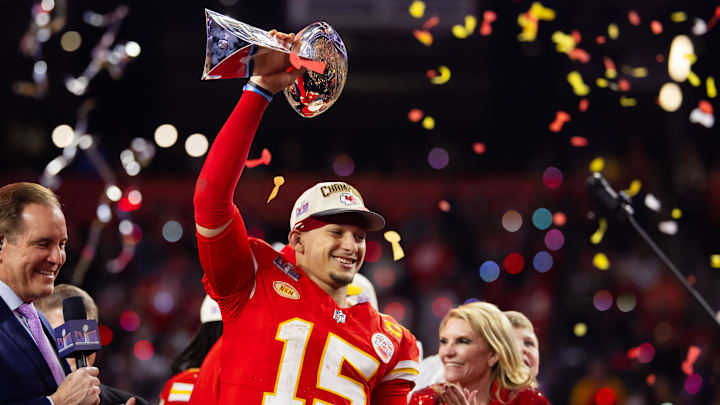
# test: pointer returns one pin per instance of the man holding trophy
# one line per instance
(290, 335)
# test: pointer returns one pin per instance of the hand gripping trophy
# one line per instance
(232, 46)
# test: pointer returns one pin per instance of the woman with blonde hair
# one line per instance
(481, 361)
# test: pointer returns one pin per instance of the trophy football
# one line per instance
(232, 46)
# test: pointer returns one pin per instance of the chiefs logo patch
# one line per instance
(383, 347)
(286, 290)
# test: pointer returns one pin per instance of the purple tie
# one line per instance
(29, 312)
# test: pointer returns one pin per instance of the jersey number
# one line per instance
(295, 334)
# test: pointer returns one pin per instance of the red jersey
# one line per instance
(178, 389)
(528, 396)
(207, 386)
(287, 342)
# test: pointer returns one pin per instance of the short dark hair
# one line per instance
(63, 291)
(13, 199)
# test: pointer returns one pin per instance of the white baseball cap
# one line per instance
(209, 311)
(332, 198)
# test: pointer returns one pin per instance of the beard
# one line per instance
(341, 279)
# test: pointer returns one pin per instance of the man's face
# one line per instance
(527, 344)
(30, 264)
(332, 254)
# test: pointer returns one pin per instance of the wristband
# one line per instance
(250, 86)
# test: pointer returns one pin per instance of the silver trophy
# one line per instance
(232, 45)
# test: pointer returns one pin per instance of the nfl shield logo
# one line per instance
(338, 316)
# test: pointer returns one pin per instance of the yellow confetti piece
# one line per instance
(443, 77)
(711, 89)
(678, 16)
(597, 165)
(279, 181)
(529, 28)
(639, 72)
(611, 73)
(417, 9)
(601, 261)
(428, 122)
(628, 101)
(691, 57)
(634, 188)
(394, 239)
(353, 290)
(693, 79)
(601, 82)
(424, 37)
(598, 235)
(539, 12)
(580, 329)
(613, 31)
(579, 87)
(564, 43)
(715, 261)
(465, 31)
(676, 213)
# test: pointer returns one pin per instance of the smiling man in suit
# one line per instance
(33, 236)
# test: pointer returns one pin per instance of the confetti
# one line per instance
(680, 58)
(676, 213)
(699, 27)
(561, 117)
(670, 97)
(693, 354)
(564, 43)
(610, 71)
(444, 76)
(693, 382)
(600, 39)
(583, 105)
(539, 12)
(488, 18)
(598, 235)
(425, 37)
(417, 9)
(601, 261)
(601, 82)
(597, 165)
(428, 123)
(264, 159)
(697, 116)
(580, 329)
(613, 31)
(576, 81)
(634, 18)
(415, 115)
(578, 141)
(710, 85)
(279, 181)
(529, 21)
(312, 65)
(394, 239)
(479, 148)
(656, 27)
(444, 205)
(652, 203)
(715, 261)
(634, 188)
(462, 32)
(668, 227)
(579, 55)
(559, 219)
(678, 16)
(623, 85)
(693, 79)
(715, 18)
(650, 380)
(628, 101)
(431, 22)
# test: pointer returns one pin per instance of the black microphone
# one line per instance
(611, 199)
(78, 337)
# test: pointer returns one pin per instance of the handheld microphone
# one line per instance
(612, 200)
(78, 337)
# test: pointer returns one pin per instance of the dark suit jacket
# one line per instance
(25, 378)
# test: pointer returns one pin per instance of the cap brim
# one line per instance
(371, 221)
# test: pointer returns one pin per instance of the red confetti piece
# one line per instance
(431, 22)
(705, 107)
(609, 64)
(623, 85)
(578, 141)
(264, 159)
(488, 18)
(444, 206)
(431, 73)
(687, 365)
(415, 115)
(656, 27)
(559, 219)
(479, 148)
(312, 65)
(634, 18)
(576, 36)
(600, 39)
(584, 104)
(650, 380)
(561, 117)
(633, 353)
(425, 37)
(714, 19)
(579, 55)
